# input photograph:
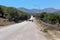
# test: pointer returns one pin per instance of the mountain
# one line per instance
(30, 11)
(50, 10)
(57, 12)
(34, 11)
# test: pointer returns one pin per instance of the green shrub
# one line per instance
(13, 14)
(51, 18)
(45, 30)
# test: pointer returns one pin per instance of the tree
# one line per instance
(13, 14)
(51, 18)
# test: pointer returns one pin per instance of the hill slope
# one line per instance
(34, 11)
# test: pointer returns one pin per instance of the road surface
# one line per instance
(22, 31)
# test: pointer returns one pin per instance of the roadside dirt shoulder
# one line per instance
(51, 35)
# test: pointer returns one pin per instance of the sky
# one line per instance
(32, 4)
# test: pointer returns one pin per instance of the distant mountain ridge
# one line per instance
(34, 11)
(50, 10)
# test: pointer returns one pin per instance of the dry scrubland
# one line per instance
(11, 15)
(50, 24)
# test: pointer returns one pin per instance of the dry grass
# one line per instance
(53, 31)
(47, 34)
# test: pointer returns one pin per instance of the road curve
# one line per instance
(22, 31)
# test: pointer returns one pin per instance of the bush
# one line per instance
(45, 30)
(13, 14)
(51, 18)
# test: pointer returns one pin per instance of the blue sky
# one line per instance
(37, 4)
